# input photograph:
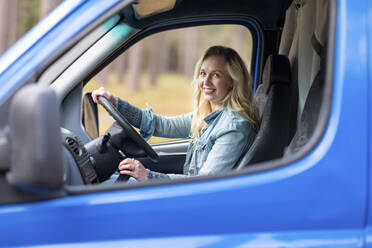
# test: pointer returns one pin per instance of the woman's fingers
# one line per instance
(127, 167)
(134, 168)
(105, 93)
(126, 163)
(97, 93)
(128, 172)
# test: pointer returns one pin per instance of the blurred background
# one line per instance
(19, 16)
(156, 71)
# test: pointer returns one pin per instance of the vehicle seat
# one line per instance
(260, 97)
(272, 136)
(304, 41)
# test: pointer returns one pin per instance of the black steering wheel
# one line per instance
(129, 130)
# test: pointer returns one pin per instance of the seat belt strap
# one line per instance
(292, 56)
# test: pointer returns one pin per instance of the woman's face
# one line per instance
(214, 81)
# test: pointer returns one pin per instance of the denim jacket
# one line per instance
(226, 136)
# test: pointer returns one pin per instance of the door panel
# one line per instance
(167, 164)
(172, 157)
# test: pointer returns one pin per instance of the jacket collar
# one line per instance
(212, 116)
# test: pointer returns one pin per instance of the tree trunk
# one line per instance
(188, 51)
(8, 24)
(120, 67)
(135, 67)
(47, 6)
(102, 76)
(159, 56)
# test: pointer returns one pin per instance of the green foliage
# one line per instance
(28, 15)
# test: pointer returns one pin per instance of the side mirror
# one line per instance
(36, 161)
(90, 115)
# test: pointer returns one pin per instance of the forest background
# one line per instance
(156, 71)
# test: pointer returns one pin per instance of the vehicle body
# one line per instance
(317, 196)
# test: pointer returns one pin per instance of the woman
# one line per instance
(222, 125)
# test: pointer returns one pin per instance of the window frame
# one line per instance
(138, 36)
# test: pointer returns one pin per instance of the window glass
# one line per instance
(158, 70)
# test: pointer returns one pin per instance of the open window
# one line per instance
(149, 73)
(149, 61)
(154, 67)
(157, 71)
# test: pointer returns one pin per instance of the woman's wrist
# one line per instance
(114, 101)
(130, 112)
(149, 174)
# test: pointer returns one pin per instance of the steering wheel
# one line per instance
(129, 130)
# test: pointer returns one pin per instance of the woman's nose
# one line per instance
(207, 79)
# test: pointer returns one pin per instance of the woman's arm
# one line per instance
(135, 169)
(163, 126)
(130, 112)
(151, 124)
(148, 123)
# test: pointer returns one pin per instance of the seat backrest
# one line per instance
(310, 114)
(272, 136)
(304, 41)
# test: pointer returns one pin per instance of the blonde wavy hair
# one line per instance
(239, 99)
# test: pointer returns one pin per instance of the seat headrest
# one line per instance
(277, 71)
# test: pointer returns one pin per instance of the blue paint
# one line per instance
(319, 200)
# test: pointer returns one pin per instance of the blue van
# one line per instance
(304, 182)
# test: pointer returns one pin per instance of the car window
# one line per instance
(157, 71)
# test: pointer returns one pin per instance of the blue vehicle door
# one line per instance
(315, 198)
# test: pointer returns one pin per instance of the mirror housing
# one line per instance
(90, 115)
(35, 137)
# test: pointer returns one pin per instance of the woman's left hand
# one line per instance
(133, 168)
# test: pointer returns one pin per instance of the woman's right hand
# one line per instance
(105, 93)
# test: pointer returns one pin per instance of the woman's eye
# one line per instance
(202, 74)
(216, 75)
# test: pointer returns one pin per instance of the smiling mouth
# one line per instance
(208, 91)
